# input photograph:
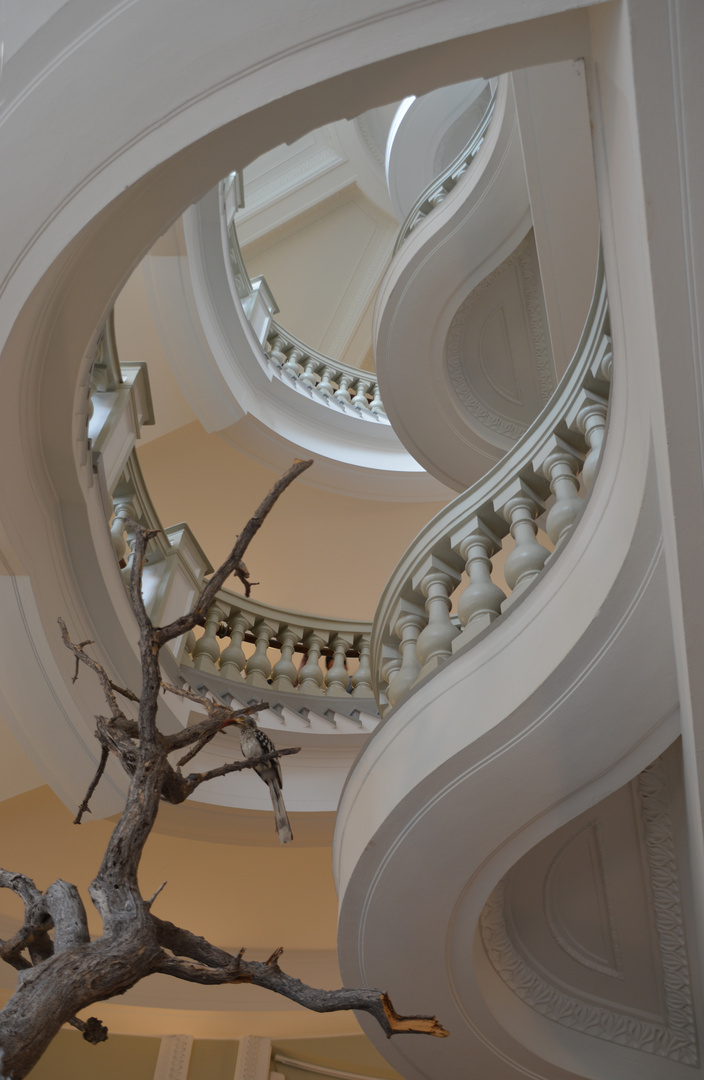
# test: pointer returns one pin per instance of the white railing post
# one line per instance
(258, 667)
(124, 510)
(481, 601)
(206, 654)
(310, 677)
(560, 463)
(285, 673)
(337, 679)
(232, 658)
(407, 625)
(362, 678)
(590, 420)
(437, 581)
(390, 663)
(519, 505)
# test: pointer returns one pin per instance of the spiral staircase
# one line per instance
(505, 737)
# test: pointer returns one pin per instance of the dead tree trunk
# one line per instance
(61, 971)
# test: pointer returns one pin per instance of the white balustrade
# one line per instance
(206, 654)
(520, 506)
(333, 383)
(270, 631)
(560, 469)
(411, 620)
(436, 581)
(481, 601)
(591, 421)
(258, 667)
(175, 567)
(535, 490)
(362, 677)
(439, 188)
(233, 659)
(284, 673)
(337, 679)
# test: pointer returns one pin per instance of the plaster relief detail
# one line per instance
(174, 1057)
(253, 1058)
(496, 358)
(504, 372)
(584, 853)
(674, 1037)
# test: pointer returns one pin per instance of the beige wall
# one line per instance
(122, 1057)
(318, 552)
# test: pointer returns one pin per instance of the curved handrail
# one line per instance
(174, 552)
(442, 185)
(268, 628)
(349, 388)
(413, 631)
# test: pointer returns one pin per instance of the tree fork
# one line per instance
(61, 975)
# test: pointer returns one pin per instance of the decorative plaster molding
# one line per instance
(676, 1037)
(667, 903)
(174, 1057)
(522, 258)
(253, 1058)
(367, 136)
(288, 178)
(615, 970)
(533, 293)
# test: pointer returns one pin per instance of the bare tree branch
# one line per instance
(196, 960)
(196, 779)
(198, 612)
(70, 972)
(84, 808)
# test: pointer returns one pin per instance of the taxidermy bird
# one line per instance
(256, 744)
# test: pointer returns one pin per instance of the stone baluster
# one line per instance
(232, 659)
(207, 651)
(258, 668)
(376, 405)
(190, 643)
(337, 678)
(437, 581)
(591, 421)
(519, 505)
(124, 510)
(310, 677)
(390, 663)
(285, 672)
(360, 398)
(293, 365)
(362, 678)
(325, 385)
(277, 353)
(310, 375)
(342, 394)
(481, 601)
(408, 622)
(560, 464)
(131, 540)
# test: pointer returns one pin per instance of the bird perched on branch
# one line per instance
(255, 744)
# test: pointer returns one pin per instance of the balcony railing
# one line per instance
(543, 479)
(334, 653)
(438, 190)
(336, 385)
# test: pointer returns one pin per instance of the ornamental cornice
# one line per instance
(523, 260)
(674, 1037)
